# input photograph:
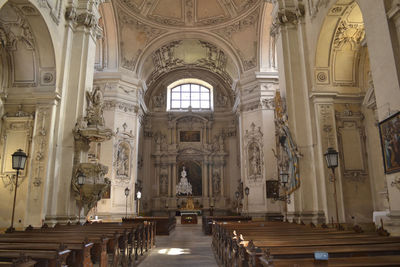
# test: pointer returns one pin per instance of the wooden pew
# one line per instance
(208, 221)
(164, 225)
(43, 256)
(244, 244)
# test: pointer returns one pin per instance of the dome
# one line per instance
(188, 13)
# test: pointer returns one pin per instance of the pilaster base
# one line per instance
(393, 224)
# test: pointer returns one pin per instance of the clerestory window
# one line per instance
(189, 93)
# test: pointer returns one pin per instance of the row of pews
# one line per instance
(287, 244)
(208, 221)
(164, 224)
(99, 244)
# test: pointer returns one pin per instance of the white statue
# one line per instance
(184, 187)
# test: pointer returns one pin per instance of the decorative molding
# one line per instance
(293, 16)
(54, 9)
(120, 106)
(14, 125)
(353, 33)
(322, 76)
(165, 60)
(149, 31)
(353, 159)
(40, 141)
(314, 6)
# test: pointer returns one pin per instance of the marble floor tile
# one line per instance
(185, 246)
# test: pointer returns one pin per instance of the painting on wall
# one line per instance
(189, 136)
(390, 140)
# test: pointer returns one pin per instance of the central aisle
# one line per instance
(185, 246)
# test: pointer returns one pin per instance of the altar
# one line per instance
(188, 217)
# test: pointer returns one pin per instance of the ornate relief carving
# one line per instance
(18, 30)
(220, 100)
(238, 26)
(315, 5)
(149, 32)
(40, 146)
(121, 106)
(164, 58)
(189, 17)
(159, 100)
(15, 126)
(290, 15)
(268, 103)
(227, 32)
(352, 33)
(54, 8)
(254, 153)
(322, 76)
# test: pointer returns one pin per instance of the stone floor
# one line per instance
(185, 246)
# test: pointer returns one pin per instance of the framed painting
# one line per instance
(189, 136)
(389, 130)
(272, 189)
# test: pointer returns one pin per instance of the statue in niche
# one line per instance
(255, 160)
(95, 107)
(123, 161)
(216, 180)
(163, 184)
(184, 187)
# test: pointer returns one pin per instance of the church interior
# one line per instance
(278, 110)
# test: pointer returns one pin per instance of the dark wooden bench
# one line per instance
(277, 244)
(164, 225)
(208, 221)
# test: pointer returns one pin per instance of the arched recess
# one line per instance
(348, 118)
(107, 44)
(340, 43)
(155, 97)
(267, 40)
(28, 91)
(28, 48)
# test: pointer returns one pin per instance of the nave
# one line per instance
(185, 246)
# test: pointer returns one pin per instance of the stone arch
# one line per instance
(107, 44)
(268, 60)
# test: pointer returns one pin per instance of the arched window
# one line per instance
(186, 93)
